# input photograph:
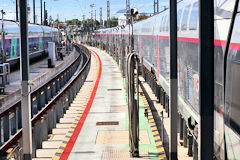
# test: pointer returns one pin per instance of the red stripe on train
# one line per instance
(217, 42)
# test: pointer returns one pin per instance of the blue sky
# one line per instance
(69, 9)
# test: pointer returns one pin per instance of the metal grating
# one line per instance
(123, 154)
(115, 89)
(107, 123)
(89, 81)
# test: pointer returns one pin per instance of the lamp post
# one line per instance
(3, 39)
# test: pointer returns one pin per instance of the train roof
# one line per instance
(11, 27)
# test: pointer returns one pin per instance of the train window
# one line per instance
(194, 17)
(185, 18)
(164, 23)
(235, 101)
(161, 24)
(167, 24)
(179, 13)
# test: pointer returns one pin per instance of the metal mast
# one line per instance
(206, 89)
(26, 103)
(101, 21)
(92, 5)
(108, 14)
(41, 11)
(95, 19)
(34, 16)
(83, 16)
(17, 10)
(173, 80)
(156, 6)
(127, 10)
(45, 14)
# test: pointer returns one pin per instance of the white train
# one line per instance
(151, 42)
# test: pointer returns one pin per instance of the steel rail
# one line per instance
(50, 104)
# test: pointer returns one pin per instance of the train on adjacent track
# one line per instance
(39, 36)
(151, 43)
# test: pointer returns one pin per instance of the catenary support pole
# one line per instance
(173, 81)
(44, 14)
(206, 70)
(17, 10)
(41, 12)
(34, 15)
(25, 103)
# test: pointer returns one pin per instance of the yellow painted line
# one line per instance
(74, 126)
(152, 124)
(86, 99)
(55, 158)
(34, 98)
(149, 114)
(59, 151)
(156, 138)
(77, 118)
(162, 156)
(69, 134)
(9, 150)
(63, 145)
(160, 149)
(66, 139)
(151, 120)
(71, 129)
(155, 133)
(51, 137)
(159, 143)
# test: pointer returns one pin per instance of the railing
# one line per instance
(52, 97)
(157, 89)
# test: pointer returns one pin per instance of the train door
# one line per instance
(40, 43)
(13, 47)
(232, 95)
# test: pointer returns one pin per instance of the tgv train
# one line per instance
(151, 42)
(39, 36)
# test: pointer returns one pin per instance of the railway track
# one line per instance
(48, 103)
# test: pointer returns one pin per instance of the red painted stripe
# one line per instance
(217, 42)
(80, 124)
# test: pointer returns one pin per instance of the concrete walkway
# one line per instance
(96, 124)
(110, 140)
